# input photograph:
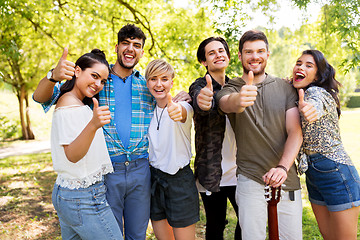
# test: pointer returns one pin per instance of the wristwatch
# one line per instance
(49, 76)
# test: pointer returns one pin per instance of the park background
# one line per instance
(34, 33)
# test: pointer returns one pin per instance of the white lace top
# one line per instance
(68, 122)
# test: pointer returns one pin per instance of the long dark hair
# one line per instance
(85, 61)
(325, 76)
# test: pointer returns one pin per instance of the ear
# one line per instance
(142, 53)
(116, 48)
(204, 63)
(77, 71)
(239, 56)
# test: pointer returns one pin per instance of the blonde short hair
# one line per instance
(158, 67)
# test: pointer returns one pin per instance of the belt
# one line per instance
(308, 152)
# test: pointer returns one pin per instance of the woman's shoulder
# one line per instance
(68, 99)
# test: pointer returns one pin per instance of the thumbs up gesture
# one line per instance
(205, 97)
(65, 69)
(175, 110)
(307, 109)
(101, 115)
(248, 92)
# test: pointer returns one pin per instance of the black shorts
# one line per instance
(174, 197)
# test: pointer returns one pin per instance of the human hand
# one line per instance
(307, 109)
(248, 92)
(101, 115)
(174, 109)
(182, 96)
(205, 97)
(65, 69)
(275, 177)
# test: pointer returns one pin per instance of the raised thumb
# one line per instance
(209, 82)
(96, 103)
(169, 97)
(301, 96)
(250, 78)
(64, 54)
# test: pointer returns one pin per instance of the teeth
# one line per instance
(300, 75)
(129, 56)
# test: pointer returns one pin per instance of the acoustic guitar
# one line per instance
(272, 196)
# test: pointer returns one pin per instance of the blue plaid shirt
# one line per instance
(142, 105)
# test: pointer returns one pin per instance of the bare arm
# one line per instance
(76, 150)
(237, 102)
(277, 176)
(64, 70)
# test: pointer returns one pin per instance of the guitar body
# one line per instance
(272, 196)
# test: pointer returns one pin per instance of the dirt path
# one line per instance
(25, 147)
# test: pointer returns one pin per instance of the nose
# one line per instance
(130, 47)
(158, 82)
(98, 83)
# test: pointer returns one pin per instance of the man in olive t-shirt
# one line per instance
(266, 122)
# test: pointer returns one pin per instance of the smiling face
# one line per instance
(159, 86)
(216, 57)
(129, 52)
(304, 72)
(254, 56)
(90, 81)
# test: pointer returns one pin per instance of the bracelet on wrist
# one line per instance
(282, 167)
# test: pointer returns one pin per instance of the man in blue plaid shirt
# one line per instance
(131, 106)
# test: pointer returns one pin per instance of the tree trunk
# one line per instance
(26, 131)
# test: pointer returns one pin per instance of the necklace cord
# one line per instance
(159, 119)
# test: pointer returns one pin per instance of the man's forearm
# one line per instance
(44, 90)
(230, 104)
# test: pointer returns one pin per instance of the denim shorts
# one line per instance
(174, 197)
(332, 184)
(84, 213)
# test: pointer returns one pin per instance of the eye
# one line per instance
(94, 76)
(211, 53)
(103, 81)
(137, 45)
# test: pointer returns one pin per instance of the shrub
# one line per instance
(354, 101)
(8, 128)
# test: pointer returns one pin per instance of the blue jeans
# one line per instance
(129, 196)
(332, 184)
(85, 213)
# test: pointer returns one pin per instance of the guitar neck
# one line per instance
(273, 222)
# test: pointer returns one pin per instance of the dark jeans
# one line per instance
(215, 209)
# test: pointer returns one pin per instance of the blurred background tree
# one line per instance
(34, 33)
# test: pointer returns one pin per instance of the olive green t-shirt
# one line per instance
(260, 130)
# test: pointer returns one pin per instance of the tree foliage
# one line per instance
(33, 34)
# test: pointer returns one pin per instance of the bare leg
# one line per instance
(344, 223)
(162, 230)
(186, 233)
(322, 216)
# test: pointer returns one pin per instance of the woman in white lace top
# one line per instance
(332, 180)
(80, 156)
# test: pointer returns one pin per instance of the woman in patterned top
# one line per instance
(331, 178)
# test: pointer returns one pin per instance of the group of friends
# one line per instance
(121, 144)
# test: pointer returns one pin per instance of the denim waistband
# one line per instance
(133, 163)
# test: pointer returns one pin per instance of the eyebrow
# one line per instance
(99, 75)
